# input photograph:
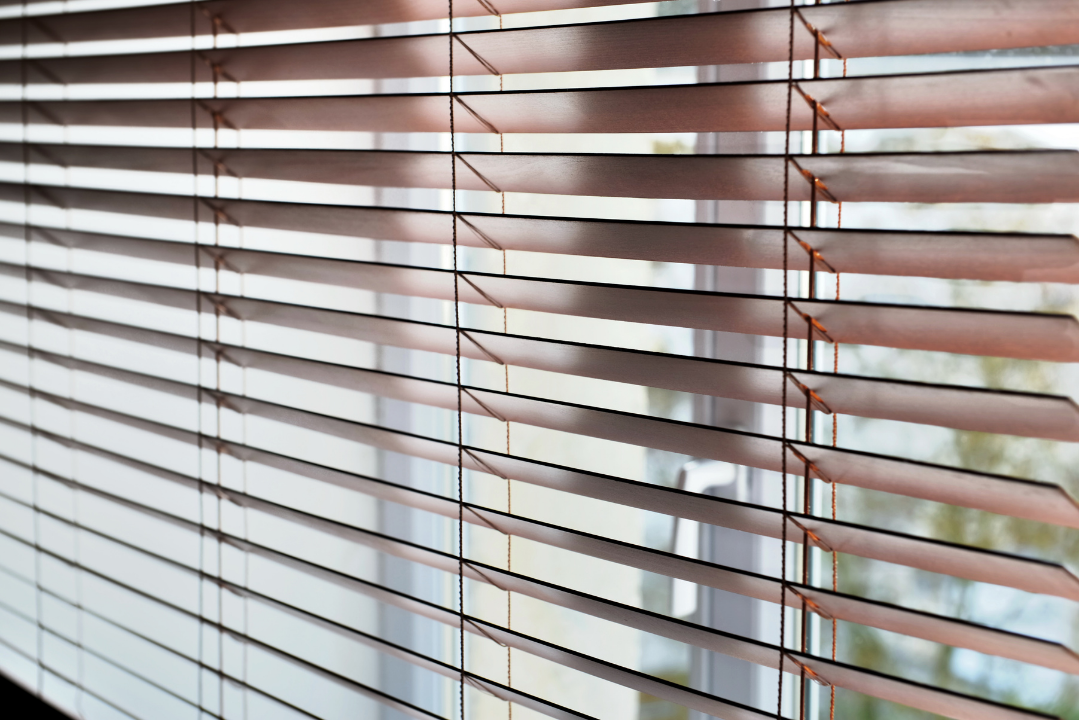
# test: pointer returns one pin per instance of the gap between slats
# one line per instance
(999, 176)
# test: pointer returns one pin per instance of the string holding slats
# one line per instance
(807, 672)
(814, 253)
(219, 308)
(813, 325)
(479, 118)
(819, 37)
(816, 607)
(218, 117)
(221, 259)
(220, 166)
(784, 363)
(42, 69)
(456, 158)
(45, 113)
(815, 330)
(836, 369)
(484, 406)
(481, 293)
(219, 213)
(24, 107)
(482, 518)
(217, 70)
(487, 466)
(40, 24)
(487, 5)
(810, 394)
(487, 353)
(217, 22)
(819, 109)
(487, 66)
(457, 363)
(817, 185)
(812, 536)
(481, 234)
(808, 463)
(39, 149)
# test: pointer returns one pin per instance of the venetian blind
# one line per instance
(359, 357)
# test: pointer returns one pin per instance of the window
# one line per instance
(524, 358)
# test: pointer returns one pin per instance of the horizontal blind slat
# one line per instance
(1030, 176)
(979, 98)
(859, 29)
